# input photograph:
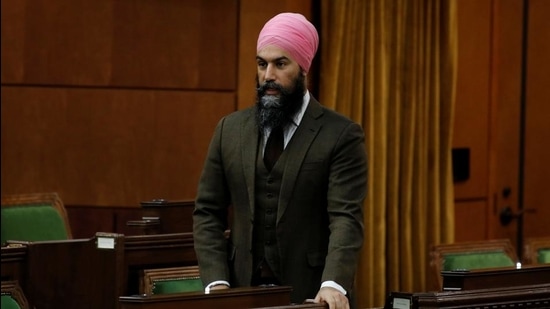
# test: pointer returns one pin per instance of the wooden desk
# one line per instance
(251, 297)
(160, 216)
(14, 263)
(495, 278)
(72, 273)
(155, 251)
(301, 306)
(529, 296)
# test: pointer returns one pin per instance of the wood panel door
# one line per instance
(537, 124)
(521, 129)
(501, 114)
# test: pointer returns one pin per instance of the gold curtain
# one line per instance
(391, 66)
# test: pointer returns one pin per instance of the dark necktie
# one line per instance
(274, 147)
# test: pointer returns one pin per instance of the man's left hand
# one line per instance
(334, 298)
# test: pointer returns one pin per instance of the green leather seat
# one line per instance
(536, 250)
(476, 260)
(171, 280)
(544, 256)
(32, 223)
(470, 255)
(13, 296)
(9, 303)
(34, 217)
(177, 285)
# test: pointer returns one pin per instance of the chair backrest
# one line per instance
(34, 217)
(13, 296)
(536, 251)
(471, 255)
(171, 280)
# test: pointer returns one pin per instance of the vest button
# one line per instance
(270, 195)
(270, 180)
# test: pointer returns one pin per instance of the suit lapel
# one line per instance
(249, 146)
(301, 140)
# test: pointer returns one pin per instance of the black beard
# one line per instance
(275, 111)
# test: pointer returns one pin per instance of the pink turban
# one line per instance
(293, 33)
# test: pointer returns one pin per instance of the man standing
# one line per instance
(294, 174)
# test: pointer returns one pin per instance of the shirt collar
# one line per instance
(300, 114)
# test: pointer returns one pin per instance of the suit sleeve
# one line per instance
(211, 214)
(346, 194)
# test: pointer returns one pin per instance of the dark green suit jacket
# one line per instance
(319, 219)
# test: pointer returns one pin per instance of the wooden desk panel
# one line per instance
(155, 251)
(14, 263)
(529, 296)
(301, 306)
(71, 273)
(174, 216)
(251, 297)
(495, 278)
(169, 249)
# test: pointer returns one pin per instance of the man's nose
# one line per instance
(270, 73)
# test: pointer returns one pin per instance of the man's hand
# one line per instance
(334, 298)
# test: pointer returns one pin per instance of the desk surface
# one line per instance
(246, 297)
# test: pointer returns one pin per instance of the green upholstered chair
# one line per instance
(171, 280)
(470, 255)
(536, 251)
(12, 296)
(34, 217)
(544, 256)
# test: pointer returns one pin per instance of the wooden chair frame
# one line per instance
(13, 289)
(150, 276)
(531, 248)
(51, 198)
(438, 252)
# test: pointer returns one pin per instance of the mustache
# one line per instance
(268, 85)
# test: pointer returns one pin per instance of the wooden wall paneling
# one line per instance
(175, 44)
(67, 43)
(13, 29)
(471, 217)
(537, 130)
(472, 94)
(505, 111)
(166, 44)
(472, 103)
(31, 134)
(253, 15)
(107, 147)
(87, 220)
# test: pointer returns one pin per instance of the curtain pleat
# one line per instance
(391, 66)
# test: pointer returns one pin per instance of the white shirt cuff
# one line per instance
(217, 282)
(335, 285)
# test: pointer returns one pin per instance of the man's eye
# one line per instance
(281, 64)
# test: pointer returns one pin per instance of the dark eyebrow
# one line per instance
(275, 60)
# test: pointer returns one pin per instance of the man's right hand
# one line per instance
(219, 287)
